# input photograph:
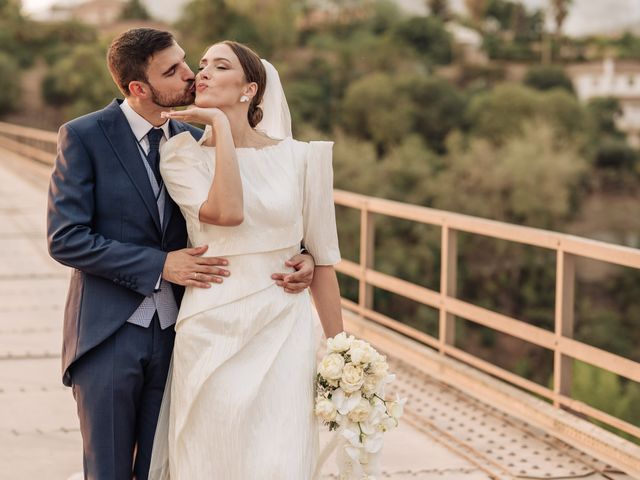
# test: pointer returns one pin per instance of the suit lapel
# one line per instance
(123, 143)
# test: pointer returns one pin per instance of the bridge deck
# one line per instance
(446, 434)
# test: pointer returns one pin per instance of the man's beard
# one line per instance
(177, 100)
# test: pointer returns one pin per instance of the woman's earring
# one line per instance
(244, 99)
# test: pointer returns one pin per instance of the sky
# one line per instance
(586, 16)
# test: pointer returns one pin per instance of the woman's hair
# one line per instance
(254, 71)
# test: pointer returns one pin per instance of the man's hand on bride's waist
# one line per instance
(188, 267)
(299, 280)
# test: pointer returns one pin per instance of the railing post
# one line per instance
(564, 322)
(448, 284)
(367, 246)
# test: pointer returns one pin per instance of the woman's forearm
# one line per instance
(224, 204)
(326, 297)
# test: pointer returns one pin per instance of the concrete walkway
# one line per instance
(445, 434)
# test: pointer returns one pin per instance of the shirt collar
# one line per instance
(140, 125)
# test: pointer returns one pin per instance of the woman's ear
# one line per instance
(250, 90)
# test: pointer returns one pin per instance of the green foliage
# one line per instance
(80, 82)
(546, 77)
(500, 114)
(375, 109)
(628, 46)
(529, 179)
(309, 89)
(439, 8)
(615, 153)
(385, 109)
(428, 37)
(603, 113)
(134, 10)
(205, 22)
(438, 108)
(13, 28)
(499, 49)
(9, 84)
(607, 392)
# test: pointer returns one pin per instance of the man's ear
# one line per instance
(138, 89)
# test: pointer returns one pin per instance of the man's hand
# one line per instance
(188, 267)
(297, 281)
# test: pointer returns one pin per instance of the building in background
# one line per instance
(617, 79)
(92, 12)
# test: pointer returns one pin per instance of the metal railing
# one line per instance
(40, 145)
(560, 341)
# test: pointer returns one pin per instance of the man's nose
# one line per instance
(188, 73)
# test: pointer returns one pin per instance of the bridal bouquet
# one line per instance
(350, 398)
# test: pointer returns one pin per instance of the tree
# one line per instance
(134, 10)
(438, 108)
(560, 11)
(476, 10)
(428, 38)
(604, 112)
(529, 180)
(546, 77)
(501, 114)
(9, 84)
(439, 8)
(375, 109)
(80, 82)
(204, 22)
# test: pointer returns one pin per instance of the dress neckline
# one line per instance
(255, 149)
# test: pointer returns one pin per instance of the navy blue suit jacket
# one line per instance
(102, 220)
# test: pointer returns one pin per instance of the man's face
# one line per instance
(170, 79)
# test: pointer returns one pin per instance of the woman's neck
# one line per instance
(243, 134)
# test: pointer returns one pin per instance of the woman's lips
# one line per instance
(200, 87)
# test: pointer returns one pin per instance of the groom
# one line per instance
(110, 218)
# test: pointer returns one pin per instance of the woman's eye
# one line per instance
(220, 67)
(200, 69)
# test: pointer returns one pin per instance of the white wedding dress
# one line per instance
(239, 403)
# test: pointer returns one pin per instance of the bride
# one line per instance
(239, 403)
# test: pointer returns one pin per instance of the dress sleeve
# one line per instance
(320, 235)
(186, 170)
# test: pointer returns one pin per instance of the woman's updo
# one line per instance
(254, 72)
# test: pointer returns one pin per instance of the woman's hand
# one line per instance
(207, 116)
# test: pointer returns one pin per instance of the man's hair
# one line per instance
(129, 54)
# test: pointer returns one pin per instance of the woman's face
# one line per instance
(220, 81)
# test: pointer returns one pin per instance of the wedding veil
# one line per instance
(276, 118)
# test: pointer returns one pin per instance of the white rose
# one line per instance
(331, 366)
(380, 368)
(326, 410)
(361, 352)
(352, 378)
(339, 343)
(370, 384)
(361, 412)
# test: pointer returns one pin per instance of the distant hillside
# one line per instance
(586, 16)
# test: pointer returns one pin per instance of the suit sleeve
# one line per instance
(70, 212)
